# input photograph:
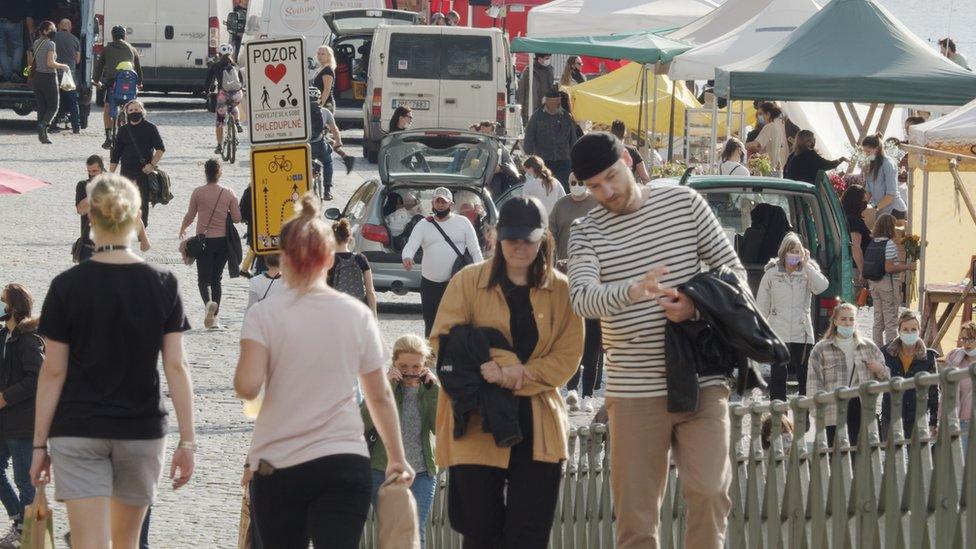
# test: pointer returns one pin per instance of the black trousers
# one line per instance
(799, 354)
(591, 366)
(853, 423)
(210, 269)
(324, 501)
(505, 508)
(46, 95)
(430, 299)
(134, 173)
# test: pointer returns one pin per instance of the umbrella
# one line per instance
(15, 183)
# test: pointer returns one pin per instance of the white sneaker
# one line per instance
(588, 405)
(572, 400)
(210, 320)
(11, 540)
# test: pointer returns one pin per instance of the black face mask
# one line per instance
(441, 214)
(135, 118)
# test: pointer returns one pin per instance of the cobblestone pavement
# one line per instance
(39, 228)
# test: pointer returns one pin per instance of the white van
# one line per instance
(176, 39)
(451, 77)
(305, 18)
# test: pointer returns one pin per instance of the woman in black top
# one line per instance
(345, 280)
(324, 80)
(105, 323)
(854, 201)
(138, 148)
(804, 162)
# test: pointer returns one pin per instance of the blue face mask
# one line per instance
(761, 118)
(971, 353)
(909, 339)
(845, 331)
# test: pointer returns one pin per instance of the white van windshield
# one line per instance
(437, 155)
(440, 57)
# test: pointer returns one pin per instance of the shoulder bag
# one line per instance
(463, 260)
(31, 70)
(158, 181)
(196, 245)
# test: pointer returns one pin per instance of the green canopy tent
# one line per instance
(852, 51)
(645, 47)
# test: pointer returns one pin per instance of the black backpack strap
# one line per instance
(447, 238)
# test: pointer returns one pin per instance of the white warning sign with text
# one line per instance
(277, 94)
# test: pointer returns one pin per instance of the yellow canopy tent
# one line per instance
(617, 96)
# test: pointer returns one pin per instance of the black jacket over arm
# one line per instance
(730, 330)
(462, 352)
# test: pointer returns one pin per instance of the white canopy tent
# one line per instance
(822, 120)
(956, 129)
(729, 15)
(775, 22)
(602, 17)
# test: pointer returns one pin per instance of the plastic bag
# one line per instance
(38, 522)
(68, 82)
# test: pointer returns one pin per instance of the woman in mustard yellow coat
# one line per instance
(506, 497)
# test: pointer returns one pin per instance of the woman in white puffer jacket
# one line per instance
(785, 296)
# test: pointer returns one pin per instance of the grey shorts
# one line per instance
(126, 470)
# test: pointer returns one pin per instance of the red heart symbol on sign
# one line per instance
(275, 72)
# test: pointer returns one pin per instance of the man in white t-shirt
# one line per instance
(439, 255)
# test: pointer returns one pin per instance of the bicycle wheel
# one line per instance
(286, 165)
(273, 166)
(232, 140)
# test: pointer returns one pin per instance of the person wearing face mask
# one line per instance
(138, 148)
(881, 179)
(963, 356)
(84, 247)
(543, 81)
(843, 359)
(906, 356)
(415, 389)
(805, 162)
(771, 140)
(44, 58)
(21, 355)
(564, 213)
(784, 297)
(439, 236)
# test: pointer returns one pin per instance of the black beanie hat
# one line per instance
(595, 152)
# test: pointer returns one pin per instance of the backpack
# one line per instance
(349, 277)
(874, 260)
(231, 82)
(125, 86)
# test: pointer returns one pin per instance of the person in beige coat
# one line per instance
(785, 296)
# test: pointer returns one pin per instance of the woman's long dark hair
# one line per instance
(874, 141)
(733, 144)
(804, 142)
(399, 113)
(540, 272)
(545, 174)
(853, 200)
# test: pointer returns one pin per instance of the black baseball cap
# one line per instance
(522, 218)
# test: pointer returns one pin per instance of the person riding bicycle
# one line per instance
(230, 90)
(104, 70)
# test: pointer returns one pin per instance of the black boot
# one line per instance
(42, 134)
(108, 139)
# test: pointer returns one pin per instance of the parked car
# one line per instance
(412, 164)
(452, 77)
(814, 212)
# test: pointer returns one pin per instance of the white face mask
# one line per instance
(545, 62)
(578, 191)
(971, 352)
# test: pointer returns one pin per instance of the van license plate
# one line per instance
(416, 104)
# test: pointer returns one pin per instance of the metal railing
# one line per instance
(892, 494)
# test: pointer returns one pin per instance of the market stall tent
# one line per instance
(776, 21)
(710, 26)
(642, 47)
(953, 133)
(602, 17)
(854, 51)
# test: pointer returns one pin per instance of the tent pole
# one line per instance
(653, 129)
(728, 117)
(885, 117)
(671, 124)
(961, 189)
(642, 109)
(847, 125)
(854, 116)
(866, 127)
(713, 152)
(925, 227)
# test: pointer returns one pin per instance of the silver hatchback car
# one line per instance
(412, 163)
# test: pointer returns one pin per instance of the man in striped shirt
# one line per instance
(625, 259)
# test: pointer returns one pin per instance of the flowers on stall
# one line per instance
(669, 169)
(760, 164)
(913, 252)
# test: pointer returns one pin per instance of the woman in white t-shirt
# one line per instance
(267, 283)
(540, 183)
(772, 138)
(732, 156)
(310, 464)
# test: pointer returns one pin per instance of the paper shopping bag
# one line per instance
(246, 531)
(38, 523)
(397, 513)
